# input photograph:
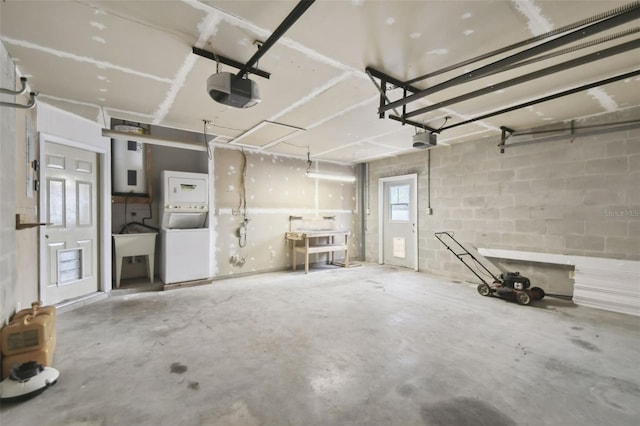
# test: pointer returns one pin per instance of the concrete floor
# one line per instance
(371, 345)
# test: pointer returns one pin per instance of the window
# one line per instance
(399, 203)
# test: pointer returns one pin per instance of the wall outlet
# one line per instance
(429, 211)
(273, 253)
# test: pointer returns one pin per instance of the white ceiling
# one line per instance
(133, 60)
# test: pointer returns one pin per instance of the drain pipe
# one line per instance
(429, 210)
(363, 209)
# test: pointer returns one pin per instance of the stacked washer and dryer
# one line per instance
(184, 233)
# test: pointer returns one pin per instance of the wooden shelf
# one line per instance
(121, 199)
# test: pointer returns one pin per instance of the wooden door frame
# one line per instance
(104, 232)
(414, 212)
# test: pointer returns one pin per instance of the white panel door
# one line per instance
(69, 187)
(398, 221)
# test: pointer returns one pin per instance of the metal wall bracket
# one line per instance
(230, 62)
(570, 133)
(506, 133)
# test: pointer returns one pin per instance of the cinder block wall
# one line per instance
(577, 197)
(7, 191)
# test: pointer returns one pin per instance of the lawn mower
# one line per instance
(507, 285)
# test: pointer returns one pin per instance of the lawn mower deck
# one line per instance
(508, 285)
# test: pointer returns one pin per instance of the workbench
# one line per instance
(310, 242)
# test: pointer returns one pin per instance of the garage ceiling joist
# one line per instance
(544, 99)
(602, 54)
(629, 15)
(567, 39)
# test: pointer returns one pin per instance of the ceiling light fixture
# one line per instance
(341, 178)
(326, 176)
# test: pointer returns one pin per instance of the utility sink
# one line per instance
(142, 244)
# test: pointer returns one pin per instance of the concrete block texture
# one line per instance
(571, 197)
(584, 243)
(7, 191)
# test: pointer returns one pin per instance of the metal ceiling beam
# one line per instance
(293, 16)
(228, 61)
(545, 99)
(630, 15)
(414, 124)
(615, 50)
(389, 79)
(523, 43)
(571, 49)
(384, 79)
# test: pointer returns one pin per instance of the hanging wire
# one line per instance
(296, 146)
(445, 122)
(226, 127)
(243, 195)
(125, 229)
(308, 161)
(205, 123)
(242, 241)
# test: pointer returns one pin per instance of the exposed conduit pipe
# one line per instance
(31, 104)
(23, 83)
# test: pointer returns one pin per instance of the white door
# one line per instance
(398, 221)
(70, 208)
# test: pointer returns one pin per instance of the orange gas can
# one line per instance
(35, 310)
(29, 330)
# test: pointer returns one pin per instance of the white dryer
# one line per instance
(184, 234)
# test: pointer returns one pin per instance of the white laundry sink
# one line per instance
(143, 244)
(135, 244)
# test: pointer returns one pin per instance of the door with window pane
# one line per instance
(398, 213)
(69, 200)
